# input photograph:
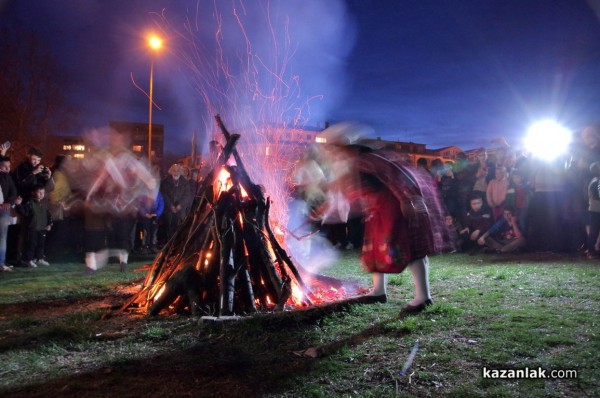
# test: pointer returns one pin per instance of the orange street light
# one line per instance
(155, 44)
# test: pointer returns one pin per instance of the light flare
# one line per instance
(547, 140)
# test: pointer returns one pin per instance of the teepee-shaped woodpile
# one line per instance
(225, 259)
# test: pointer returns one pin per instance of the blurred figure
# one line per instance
(113, 181)
(59, 199)
(95, 245)
(402, 211)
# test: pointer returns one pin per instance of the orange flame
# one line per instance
(223, 182)
(157, 295)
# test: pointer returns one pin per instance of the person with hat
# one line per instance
(177, 197)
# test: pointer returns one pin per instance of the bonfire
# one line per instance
(225, 259)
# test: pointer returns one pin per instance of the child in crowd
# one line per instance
(458, 235)
(478, 221)
(37, 222)
(505, 235)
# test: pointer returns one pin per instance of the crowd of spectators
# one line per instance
(513, 201)
(92, 210)
(112, 204)
(507, 200)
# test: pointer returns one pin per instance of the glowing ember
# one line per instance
(160, 292)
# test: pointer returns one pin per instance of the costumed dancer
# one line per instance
(403, 215)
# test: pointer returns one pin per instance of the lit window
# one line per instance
(66, 147)
(79, 147)
(79, 156)
(321, 140)
(267, 150)
(137, 148)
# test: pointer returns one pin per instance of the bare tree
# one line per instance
(32, 91)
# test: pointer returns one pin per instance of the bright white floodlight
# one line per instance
(547, 139)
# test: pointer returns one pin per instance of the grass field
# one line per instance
(62, 335)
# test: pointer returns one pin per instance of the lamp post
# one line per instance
(155, 44)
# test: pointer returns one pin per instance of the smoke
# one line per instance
(261, 62)
(218, 55)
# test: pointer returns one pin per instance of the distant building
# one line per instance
(139, 138)
(69, 145)
(414, 151)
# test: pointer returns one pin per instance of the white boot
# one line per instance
(420, 272)
(123, 256)
(90, 261)
(101, 258)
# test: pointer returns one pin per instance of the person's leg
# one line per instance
(40, 248)
(420, 273)
(513, 245)
(379, 284)
(4, 223)
(493, 243)
(30, 243)
(593, 233)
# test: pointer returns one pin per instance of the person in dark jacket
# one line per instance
(10, 199)
(31, 173)
(177, 197)
(36, 222)
(478, 221)
(150, 210)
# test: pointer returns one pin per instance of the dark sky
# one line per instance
(460, 72)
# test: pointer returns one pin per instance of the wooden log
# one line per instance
(186, 281)
(225, 213)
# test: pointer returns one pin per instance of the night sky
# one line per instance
(460, 72)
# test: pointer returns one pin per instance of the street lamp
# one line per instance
(155, 44)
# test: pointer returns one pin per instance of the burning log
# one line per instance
(224, 258)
